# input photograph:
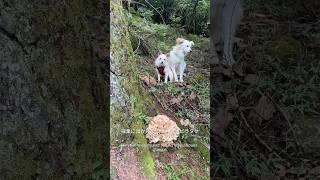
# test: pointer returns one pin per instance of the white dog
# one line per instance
(163, 68)
(177, 54)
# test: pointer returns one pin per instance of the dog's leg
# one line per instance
(171, 77)
(174, 73)
(166, 77)
(158, 73)
(182, 67)
(232, 14)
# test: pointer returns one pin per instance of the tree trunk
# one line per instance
(128, 99)
(53, 96)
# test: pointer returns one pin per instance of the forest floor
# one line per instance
(177, 101)
(182, 101)
(267, 106)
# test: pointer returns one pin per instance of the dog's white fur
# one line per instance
(225, 18)
(162, 61)
(177, 56)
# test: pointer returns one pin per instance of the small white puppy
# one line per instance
(177, 54)
(163, 68)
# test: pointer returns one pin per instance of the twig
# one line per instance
(164, 107)
(156, 10)
(194, 108)
(287, 119)
(258, 137)
(137, 47)
(145, 46)
(135, 2)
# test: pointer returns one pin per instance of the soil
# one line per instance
(125, 162)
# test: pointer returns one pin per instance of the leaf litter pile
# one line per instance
(267, 106)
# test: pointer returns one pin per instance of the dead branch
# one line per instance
(258, 137)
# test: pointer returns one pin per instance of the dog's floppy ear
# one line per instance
(168, 54)
(179, 40)
(192, 43)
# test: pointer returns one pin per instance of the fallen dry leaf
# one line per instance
(148, 80)
(185, 122)
(193, 95)
(232, 101)
(263, 110)
(282, 171)
(221, 121)
(238, 69)
(176, 100)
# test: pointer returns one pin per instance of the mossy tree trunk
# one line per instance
(53, 96)
(128, 99)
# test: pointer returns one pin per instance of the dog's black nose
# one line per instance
(190, 50)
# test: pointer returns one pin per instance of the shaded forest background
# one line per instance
(191, 15)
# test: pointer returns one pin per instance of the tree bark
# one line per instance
(53, 95)
(128, 98)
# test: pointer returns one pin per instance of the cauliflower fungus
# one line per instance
(162, 129)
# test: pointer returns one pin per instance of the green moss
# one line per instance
(171, 174)
(118, 122)
(71, 63)
(122, 53)
(145, 158)
(203, 150)
(198, 77)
